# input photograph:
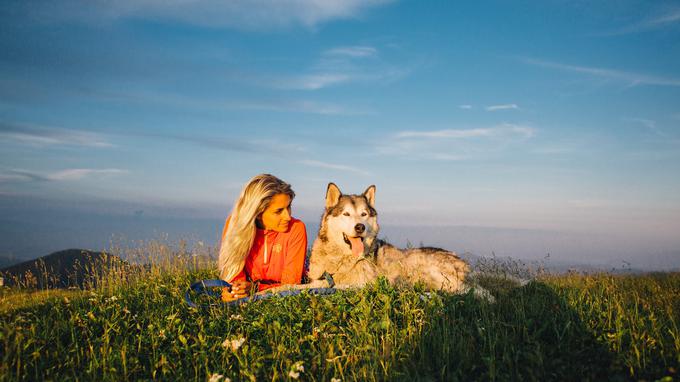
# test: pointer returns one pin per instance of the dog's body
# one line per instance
(347, 248)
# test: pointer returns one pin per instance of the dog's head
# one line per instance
(350, 219)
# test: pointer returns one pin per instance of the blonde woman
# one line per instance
(262, 246)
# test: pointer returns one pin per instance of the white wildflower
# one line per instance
(113, 298)
(236, 317)
(234, 344)
(215, 377)
(336, 380)
(296, 370)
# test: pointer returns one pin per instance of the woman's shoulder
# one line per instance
(296, 223)
(296, 226)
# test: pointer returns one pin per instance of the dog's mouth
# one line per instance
(355, 243)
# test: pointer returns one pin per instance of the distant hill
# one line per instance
(7, 260)
(62, 269)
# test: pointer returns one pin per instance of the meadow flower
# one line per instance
(234, 344)
(336, 380)
(236, 317)
(112, 299)
(161, 333)
(125, 310)
(215, 377)
(296, 370)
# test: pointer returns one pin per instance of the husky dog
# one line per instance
(348, 249)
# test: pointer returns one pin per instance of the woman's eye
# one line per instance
(346, 213)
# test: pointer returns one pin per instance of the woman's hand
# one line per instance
(239, 289)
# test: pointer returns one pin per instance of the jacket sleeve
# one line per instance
(294, 261)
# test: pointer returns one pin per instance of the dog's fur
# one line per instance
(348, 249)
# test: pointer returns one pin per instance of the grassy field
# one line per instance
(137, 326)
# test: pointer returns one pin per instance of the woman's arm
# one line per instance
(294, 262)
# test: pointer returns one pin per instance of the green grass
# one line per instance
(569, 327)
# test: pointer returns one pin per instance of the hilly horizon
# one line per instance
(61, 269)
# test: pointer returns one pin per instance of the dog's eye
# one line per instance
(363, 214)
(346, 213)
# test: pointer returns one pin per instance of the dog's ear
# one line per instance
(370, 195)
(332, 195)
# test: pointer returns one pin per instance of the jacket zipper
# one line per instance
(266, 249)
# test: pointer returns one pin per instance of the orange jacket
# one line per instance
(285, 258)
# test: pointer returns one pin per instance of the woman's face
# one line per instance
(277, 216)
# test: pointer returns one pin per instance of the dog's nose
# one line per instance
(360, 228)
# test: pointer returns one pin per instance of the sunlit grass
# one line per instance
(134, 324)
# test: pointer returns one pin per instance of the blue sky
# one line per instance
(560, 116)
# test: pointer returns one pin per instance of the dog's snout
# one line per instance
(360, 228)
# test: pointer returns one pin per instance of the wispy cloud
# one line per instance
(18, 175)
(312, 81)
(332, 166)
(662, 19)
(352, 51)
(649, 125)
(465, 107)
(241, 14)
(301, 106)
(455, 144)
(510, 106)
(490, 132)
(630, 78)
(227, 143)
(48, 136)
(338, 66)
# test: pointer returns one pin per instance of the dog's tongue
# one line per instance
(357, 246)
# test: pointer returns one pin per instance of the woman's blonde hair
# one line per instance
(253, 201)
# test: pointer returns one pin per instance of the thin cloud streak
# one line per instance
(455, 144)
(17, 175)
(48, 136)
(633, 79)
(309, 107)
(80, 173)
(337, 66)
(226, 143)
(240, 14)
(510, 106)
(332, 166)
(502, 130)
(649, 125)
(352, 51)
(650, 23)
(312, 81)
